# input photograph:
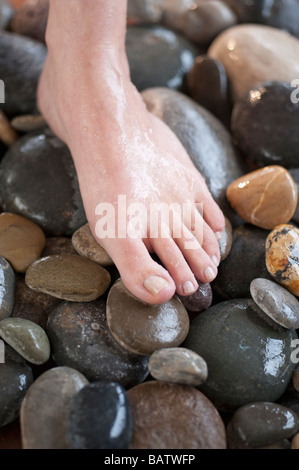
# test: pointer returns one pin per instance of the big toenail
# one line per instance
(154, 284)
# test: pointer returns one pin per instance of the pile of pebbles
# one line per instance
(87, 365)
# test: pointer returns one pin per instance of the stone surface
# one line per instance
(58, 246)
(247, 359)
(6, 13)
(178, 365)
(21, 63)
(295, 175)
(252, 54)
(7, 134)
(27, 338)
(100, 417)
(282, 246)
(86, 245)
(206, 140)
(80, 338)
(226, 240)
(172, 416)
(31, 19)
(148, 46)
(200, 300)
(7, 288)
(199, 21)
(145, 12)
(264, 124)
(261, 424)
(277, 302)
(68, 277)
(265, 197)
(208, 85)
(245, 262)
(21, 241)
(295, 442)
(295, 379)
(38, 180)
(45, 408)
(16, 378)
(142, 328)
(28, 123)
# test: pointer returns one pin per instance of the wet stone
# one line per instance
(100, 417)
(145, 12)
(55, 204)
(58, 246)
(295, 379)
(265, 197)
(86, 245)
(226, 240)
(148, 46)
(7, 288)
(143, 328)
(282, 246)
(247, 359)
(45, 409)
(68, 277)
(16, 378)
(294, 172)
(21, 63)
(266, 107)
(199, 300)
(7, 134)
(80, 338)
(31, 19)
(21, 241)
(178, 365)
(248, 246)
(172, 416)
(276, 301)
(28, 123)
(27, 338)
(261, 424)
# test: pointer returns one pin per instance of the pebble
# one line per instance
(267, 106)
(295, 379)
(198, 301)
(257, 425)
(294, 172)
(295, 442)
(80, 338)
(282, 246)
(252, 54)
(226, 240)
(199, 21)
(27, 338)
(173, 416)
(58, 246)
(100, 417)
(6, 14)
(31, 19)
(7, 288)
(178, 365)
(16, 378)
(147, 47)
(55, 204)
(277, 302)
(32, 305)
(265, 197)
(7, 134)
(28, 123)
(142, 328)
(208, 85)
(86, 245)
(207, 141)
(247, 359)
(245, 262)
(21, 241)
(21, 63)
(46, 406)
(145, 12)
(68, 277)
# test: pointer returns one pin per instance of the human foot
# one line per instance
(122, 152)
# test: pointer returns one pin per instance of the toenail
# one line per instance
(210, 274)
(154, 284)
(215, 260)
(188, 287)
(218, 235)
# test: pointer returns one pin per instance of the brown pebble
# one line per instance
(7, 134)
(86, 245)
(265, 197)
(58, 246)
(226, 240)
(295, 442)
(28, 123)
(21, 240)
(172, 416)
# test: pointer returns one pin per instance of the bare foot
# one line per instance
(120, 149)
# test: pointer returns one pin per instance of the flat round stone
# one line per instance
(276, 301)
(45, 408)
(86, 245)
(172, 416)
(282, 247)
(142, 328)
(200, 300)
(21, 240)
(28, 122)
(178, 365)
(7, 288)
(68, 277)
(265, 197)
(100, 417)
(27, 338)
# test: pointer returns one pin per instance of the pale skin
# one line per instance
(87, 97)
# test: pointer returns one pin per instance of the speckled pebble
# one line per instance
(86, 245)
(198, 301)
(7, 288)
(178, 365)
(58, 246)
